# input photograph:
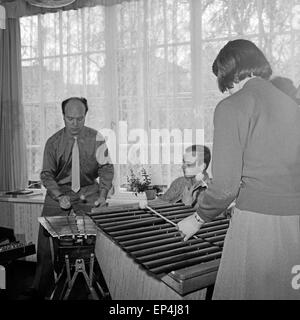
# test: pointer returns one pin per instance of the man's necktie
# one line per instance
(75, 167)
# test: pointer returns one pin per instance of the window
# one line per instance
(145, 65)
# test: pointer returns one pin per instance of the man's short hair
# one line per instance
(83, 100)
(201, 152)
(237, 60)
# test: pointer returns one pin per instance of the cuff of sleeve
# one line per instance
(56, 195)
(198, 218)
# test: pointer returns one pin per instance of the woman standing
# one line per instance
(256, 162)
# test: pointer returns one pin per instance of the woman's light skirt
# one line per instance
(261, 258)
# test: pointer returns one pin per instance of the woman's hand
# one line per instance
(190, 225)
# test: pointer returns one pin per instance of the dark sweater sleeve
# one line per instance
(48, 172)
(226, 162)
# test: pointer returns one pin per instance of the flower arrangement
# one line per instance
(139, 183)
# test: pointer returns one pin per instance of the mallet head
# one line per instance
(143, 204)
(82, 198)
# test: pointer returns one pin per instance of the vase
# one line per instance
(150, 194)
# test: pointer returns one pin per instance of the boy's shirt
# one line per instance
(176, 189)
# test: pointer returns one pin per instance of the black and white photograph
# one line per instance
(149, 153)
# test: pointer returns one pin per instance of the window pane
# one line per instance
(72, 31)
(31, 79)
(29, 43)
(49, 31)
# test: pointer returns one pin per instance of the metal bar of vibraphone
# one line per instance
(113, 211)
(160, 244)
(173, 222)
(139, 222)
(124, 216)
(139, 215)
(141, 236)
(157, 231)
(174, 245)
(174, 232)
(137, 218)
(202, 248)
(129, 232)
(161, 270)
(143, 233)
(180, 257)
(167, 240)
(176, 237)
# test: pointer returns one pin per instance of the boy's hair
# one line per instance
(83, 100)
(202, 153)
(286, 85)
(237, 60)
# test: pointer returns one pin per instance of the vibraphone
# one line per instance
(144, 257)
(74, 237)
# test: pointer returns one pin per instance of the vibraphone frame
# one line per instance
(129, 277)
(74, 238)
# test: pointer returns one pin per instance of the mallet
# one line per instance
(143, 205)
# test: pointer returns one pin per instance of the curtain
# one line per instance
(13, 166)
(21, 8)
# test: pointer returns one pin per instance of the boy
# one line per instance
(196, 160)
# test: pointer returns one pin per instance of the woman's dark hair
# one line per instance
(237, 60)
(197, 149)
(83, 100)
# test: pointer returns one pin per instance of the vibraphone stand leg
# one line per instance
(80, 267)
(56, 284)
(52, 257)
(56, 276)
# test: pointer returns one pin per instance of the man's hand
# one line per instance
(100, 202)
(190, 225)
(64, 202)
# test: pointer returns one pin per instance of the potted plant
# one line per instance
(141, 183)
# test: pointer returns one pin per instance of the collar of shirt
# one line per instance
(70, 138)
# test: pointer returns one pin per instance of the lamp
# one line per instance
(50, 3)
(2, 17)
